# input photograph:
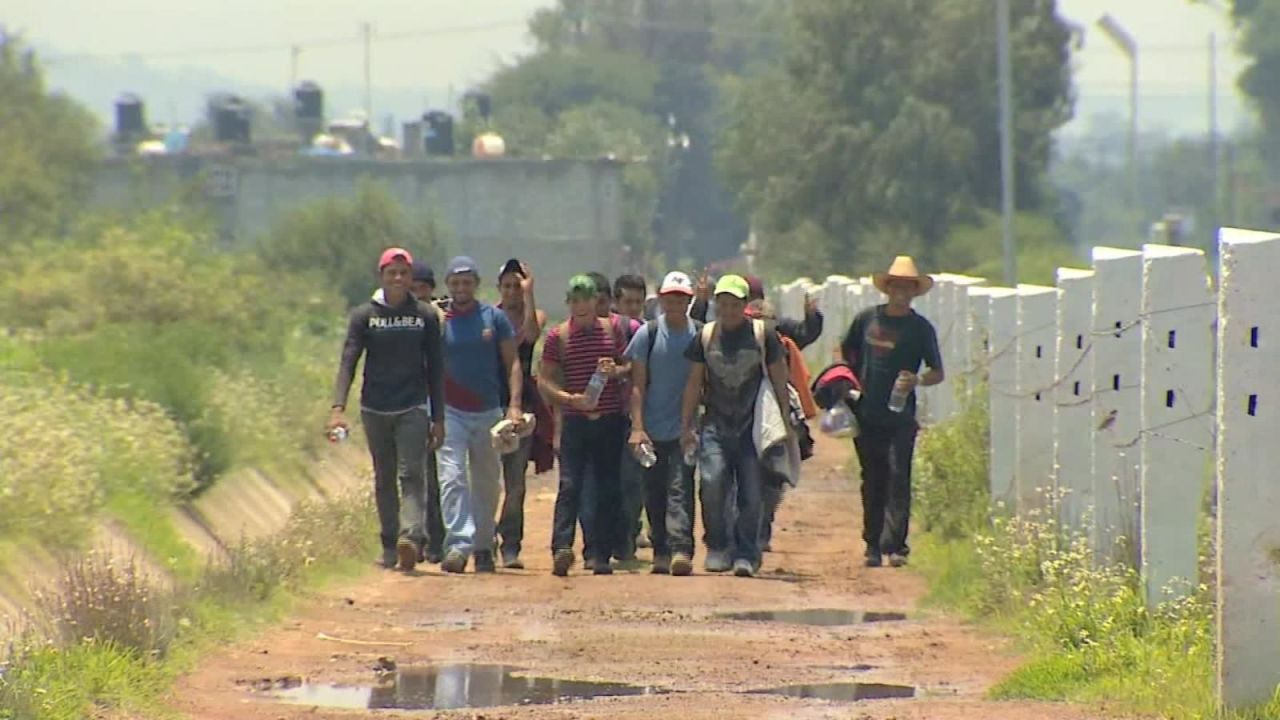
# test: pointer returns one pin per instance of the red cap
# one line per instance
(391, 255)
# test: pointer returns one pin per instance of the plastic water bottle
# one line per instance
(898, 398)
(338, 434)
(595, 387)
(645, 454)
(837, 422)
(691, 455)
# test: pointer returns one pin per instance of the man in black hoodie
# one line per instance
(399, 336)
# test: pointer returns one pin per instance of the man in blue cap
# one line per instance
(479, 344)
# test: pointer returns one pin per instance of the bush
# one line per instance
(951, 475)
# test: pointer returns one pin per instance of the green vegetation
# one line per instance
(1087, 629)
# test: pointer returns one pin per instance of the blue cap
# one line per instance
(462, 264)
(422, 272)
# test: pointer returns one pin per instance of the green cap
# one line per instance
(734, 285)
(582, 286)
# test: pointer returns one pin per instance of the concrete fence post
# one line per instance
(1248, 521)
(1117, 403)
(1177, 424)
(1073, 407)
(975, 358)
(1036, 347)
(957, 356)
(1002, 379)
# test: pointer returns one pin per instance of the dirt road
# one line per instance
(655, 632)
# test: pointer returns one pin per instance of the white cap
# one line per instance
(678, 283)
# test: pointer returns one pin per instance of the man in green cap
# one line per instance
(729, 359)
(591, 437)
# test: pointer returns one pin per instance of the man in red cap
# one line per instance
(399, 336)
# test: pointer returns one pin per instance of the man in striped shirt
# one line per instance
(591, 440)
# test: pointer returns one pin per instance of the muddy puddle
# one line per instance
(842, 692)
(814, 616)
(448, 687)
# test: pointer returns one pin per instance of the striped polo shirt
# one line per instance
(583, 352)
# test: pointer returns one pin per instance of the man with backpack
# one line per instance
(579, 374)
(479, 343)
(737, 365)
(399, 337)
(659, 373)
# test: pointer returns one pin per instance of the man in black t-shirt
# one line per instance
(725, 379)
(886, 346)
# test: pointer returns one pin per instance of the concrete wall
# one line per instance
(1105, 388)
(564, 215)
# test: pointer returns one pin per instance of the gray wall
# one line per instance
(565, 216)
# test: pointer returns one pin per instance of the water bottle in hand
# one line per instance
(595, 387)
(898, 398)
(691, 455)
(645, 454)
(837, 421)
(338, 434)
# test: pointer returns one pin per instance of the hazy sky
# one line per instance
(472, 36)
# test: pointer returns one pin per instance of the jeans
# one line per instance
(397, 444)
(731, 474)
(773, 489)
(469, 482)
(668, 489)
(511, 522)
(885, 455)
(632, 477)
(590, 453)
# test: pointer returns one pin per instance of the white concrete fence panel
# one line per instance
(1036, 347)
(1073, 399)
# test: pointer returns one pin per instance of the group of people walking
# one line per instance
(645, 404)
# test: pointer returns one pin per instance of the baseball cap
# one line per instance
(422, 272)
(676, 283)
(391, 255)
(511, 266)
(582, 286)
(734, 285)
(460, 265)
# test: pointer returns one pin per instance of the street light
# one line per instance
(1129, 47)
(1004, 67)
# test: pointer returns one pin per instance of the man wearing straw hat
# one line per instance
(886, 346)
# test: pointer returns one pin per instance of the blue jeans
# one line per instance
(731, 476)
(590, 457)
(470, 480)
(668, 487)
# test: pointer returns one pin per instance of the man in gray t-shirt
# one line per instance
(660, 371)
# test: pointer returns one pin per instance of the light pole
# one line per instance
(1129, 47)
(1004, 68)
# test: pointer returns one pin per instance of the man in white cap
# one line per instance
(886, 346)
(659, 373)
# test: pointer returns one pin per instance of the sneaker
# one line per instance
(511, 559)
(643, 541)
(718, 561)
(561, 561)
(743, 569)
(406, 554)
(389, 558)
(874, 559)
(484, 561)
(602, 567)
(661, 565)
(455, 561)
(897, 560)
(681, 565)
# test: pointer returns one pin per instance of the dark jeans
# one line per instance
(434, 520)
(511, 519)
(631, 475)
(668, 490)
(731, 474)
(885, 455)
(772, 489)
(590, 458)
(397, 444)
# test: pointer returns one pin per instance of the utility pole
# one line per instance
(1214, 161)
(1004, 68)
(1129, 47)
(368, 73)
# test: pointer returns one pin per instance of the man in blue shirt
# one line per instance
(479, 343)
(659, 372)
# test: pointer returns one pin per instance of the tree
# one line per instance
(881, 122)
(47, 144)
(1259, 21)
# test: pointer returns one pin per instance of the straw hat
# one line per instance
(903, 268)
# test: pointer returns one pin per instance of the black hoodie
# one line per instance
(404, 364)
